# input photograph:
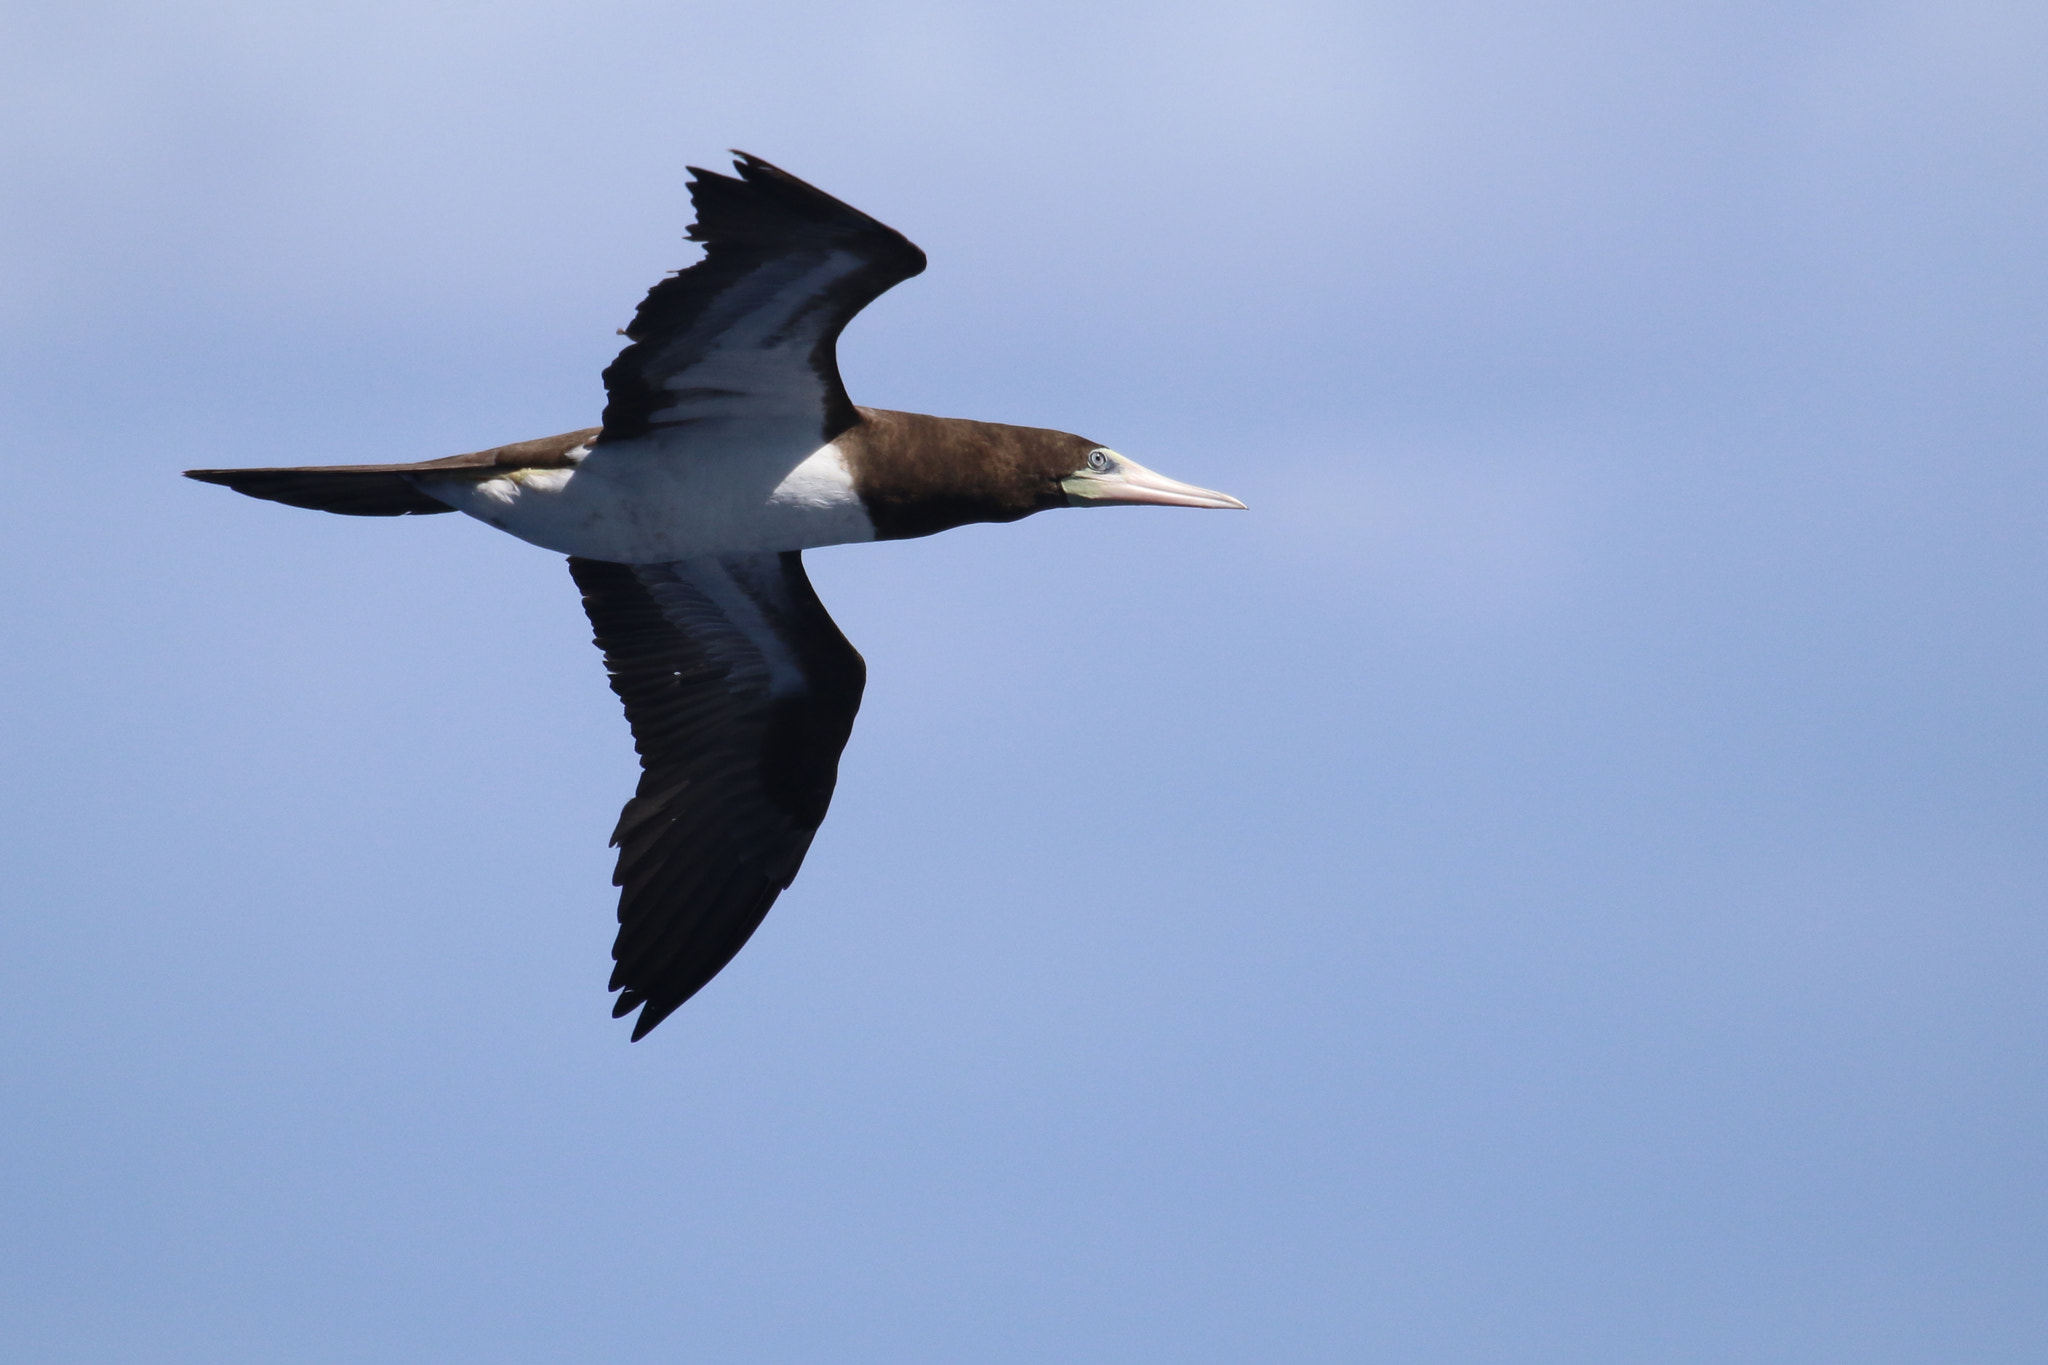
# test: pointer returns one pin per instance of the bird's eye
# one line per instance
(1098, 460)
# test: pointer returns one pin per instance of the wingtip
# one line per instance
(755, 169)
(651, 1014)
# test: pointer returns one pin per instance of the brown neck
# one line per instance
(917, 474)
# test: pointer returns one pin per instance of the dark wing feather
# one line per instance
(741, 693)
(749, 332)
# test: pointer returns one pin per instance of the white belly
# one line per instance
(640, 503)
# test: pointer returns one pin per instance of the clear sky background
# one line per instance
(1560, 880)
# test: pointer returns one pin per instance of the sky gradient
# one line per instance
(1560, 880)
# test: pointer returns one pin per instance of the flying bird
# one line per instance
(729, 447)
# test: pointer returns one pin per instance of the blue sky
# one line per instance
(1560, 880)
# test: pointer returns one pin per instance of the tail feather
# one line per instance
(354, 493)
(384, 490)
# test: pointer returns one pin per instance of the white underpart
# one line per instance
(676, 493)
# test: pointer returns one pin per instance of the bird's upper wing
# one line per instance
(741, 693)
(747, 334)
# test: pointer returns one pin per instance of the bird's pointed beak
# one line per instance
(1128, 483)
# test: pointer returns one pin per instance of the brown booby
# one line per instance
(729, 447)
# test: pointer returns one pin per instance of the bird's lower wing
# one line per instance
(741, 693)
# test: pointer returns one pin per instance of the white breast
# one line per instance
(664, 498)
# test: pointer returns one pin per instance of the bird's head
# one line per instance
(918, 474)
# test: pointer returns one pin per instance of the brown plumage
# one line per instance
(917, 475)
